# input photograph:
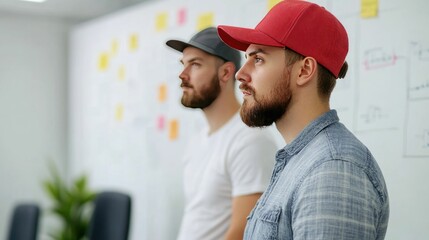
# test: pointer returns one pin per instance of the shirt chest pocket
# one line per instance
(267, 223)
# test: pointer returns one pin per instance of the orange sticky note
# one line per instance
(121, 73)
(173, 132)
(103, 61)
(133, 42)
(271, 3)
(369, 8)
(161, 21)
(162, 93)
(205, 20)
(119, 112)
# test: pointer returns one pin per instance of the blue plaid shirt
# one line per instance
(325, 185)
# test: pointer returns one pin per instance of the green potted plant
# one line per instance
(72, 203)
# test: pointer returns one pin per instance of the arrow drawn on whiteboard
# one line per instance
(378, 58)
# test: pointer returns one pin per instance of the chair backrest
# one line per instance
(111, 217)
(24, 222)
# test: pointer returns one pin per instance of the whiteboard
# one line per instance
(128, 128)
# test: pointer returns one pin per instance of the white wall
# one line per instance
(33, 107)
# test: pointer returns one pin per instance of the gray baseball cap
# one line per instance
(209, 41)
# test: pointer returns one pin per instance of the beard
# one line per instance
(264, 111)
(204, 97)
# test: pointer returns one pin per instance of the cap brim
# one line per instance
(177, 45)
(241, 38)
(180, 46)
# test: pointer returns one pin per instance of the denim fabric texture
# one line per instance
(325, 185)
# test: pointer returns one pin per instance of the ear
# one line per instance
(307, 70)
(226, 71)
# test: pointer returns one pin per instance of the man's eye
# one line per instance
(257, 59)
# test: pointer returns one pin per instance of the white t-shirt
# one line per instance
(235, 160)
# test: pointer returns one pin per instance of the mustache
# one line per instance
(185, 84)
(247, 88)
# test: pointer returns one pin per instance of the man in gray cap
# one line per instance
(227, 165)
(326, 184)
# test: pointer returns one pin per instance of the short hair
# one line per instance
(325, 79)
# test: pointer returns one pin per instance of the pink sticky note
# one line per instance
(161, 123)
(181, 16)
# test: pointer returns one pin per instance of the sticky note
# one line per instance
(103, 61)
(119, 112)
(133, 42)
(121, 73)
(369, 8)
(114, 47)
(205, 20)
(181, 16)
(161, 21)
(160, 123)
(271, 3)
(162, 93)
(173, 129)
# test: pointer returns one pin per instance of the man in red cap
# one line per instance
(325, 184)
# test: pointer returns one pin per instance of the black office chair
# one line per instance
(24, 224)
(111, 217)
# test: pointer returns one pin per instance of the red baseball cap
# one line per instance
(304, 27)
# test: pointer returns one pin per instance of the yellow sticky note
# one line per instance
(205, 20)
(162, 93)
(103, 61)
(271, 3)
(119, 112)
(114, 47)
(161, 21)
(369, 8)
(173, 129)
(121, 73)
(133, 42)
